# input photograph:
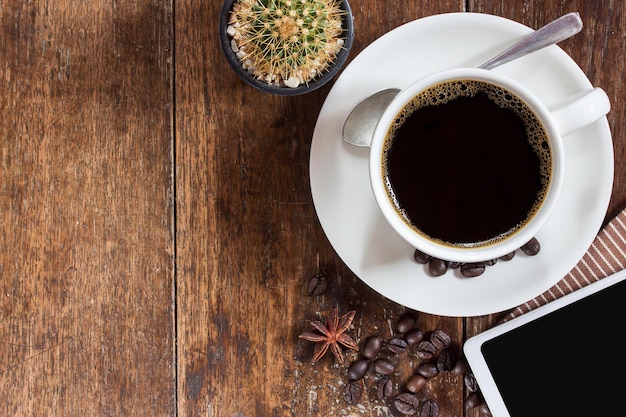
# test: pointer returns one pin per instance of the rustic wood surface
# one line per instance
(158, 230)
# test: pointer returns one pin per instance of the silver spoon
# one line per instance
(361, 122)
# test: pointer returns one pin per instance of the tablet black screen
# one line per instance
(567, 363)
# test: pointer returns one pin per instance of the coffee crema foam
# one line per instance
(447, 92)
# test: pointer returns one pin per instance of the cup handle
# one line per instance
(580, 110)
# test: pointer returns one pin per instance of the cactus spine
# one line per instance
(286, 42)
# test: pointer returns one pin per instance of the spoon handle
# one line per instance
(555, 31)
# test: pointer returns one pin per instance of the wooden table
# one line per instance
(158, 230)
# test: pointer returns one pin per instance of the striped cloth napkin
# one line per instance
(605, 256)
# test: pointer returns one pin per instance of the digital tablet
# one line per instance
(562, 359)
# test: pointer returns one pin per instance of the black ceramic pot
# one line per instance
(329, 73)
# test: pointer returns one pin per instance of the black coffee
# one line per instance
(467, 163)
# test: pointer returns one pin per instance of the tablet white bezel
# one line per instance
(476, 360)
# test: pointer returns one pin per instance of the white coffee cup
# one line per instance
(564, 118)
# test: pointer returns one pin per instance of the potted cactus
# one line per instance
(286, 47)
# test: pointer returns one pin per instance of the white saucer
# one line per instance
(346, 207)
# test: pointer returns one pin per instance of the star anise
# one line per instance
(331, 335)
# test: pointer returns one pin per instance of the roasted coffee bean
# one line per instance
(352, 393)
(430, 408)
(415, 383)
(445, 360)
(461, 367)
(440, 339)
(437, 267)
(428, 370)
(383, 391)
(470, 382)
(397, 345)
(473, 269)
(484, 410)
(532, 247)
(407, 404)
(318, 284)
(414, 336)
(426, 350)
(405, 323)
(454, 265)
(473, 400)
(421, 257)
(358, 369)
(508, 256)
(384, 367)
(372, 347)
(490, 262)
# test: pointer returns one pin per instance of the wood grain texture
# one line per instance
(158, 230)
(248, 239)
(86, 247)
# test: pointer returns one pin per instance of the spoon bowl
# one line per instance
(361, 122)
